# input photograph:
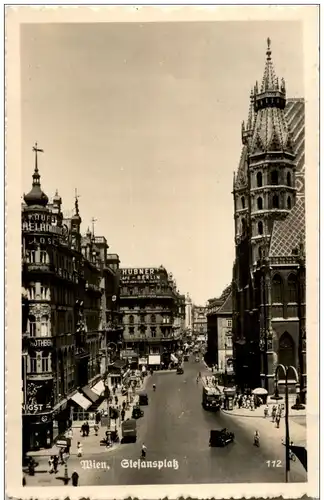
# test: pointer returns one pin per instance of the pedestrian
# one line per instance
(257, 438)
(82, 431)
(75, 478)
(51, 464)
(273, 412)
(61, 456)
(55, 463)
(96, 429)
(79, 448)
(116, 400)
(70, 433)
(266, 411)
(122, 414)
(24, 481)
(87, 428)
(278, 421)
(98, 417)
(143, 453)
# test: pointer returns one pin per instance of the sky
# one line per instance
(144, 119)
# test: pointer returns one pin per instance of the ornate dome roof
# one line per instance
(57, 198)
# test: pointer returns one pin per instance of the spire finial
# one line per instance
(36, 150)
(268, 49)
(77, 196)
(93, 220)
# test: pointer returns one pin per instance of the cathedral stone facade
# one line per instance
(269, 216)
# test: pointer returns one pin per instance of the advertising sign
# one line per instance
(140, 275)
(142, 361)
(154, 359)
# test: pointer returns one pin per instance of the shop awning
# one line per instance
(98, 388)
(90, 395)
(82, 401)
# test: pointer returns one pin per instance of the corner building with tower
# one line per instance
(269, 273)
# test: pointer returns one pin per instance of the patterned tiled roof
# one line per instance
(227, 307)
(287, 234)
(295, 116)
(241, 178)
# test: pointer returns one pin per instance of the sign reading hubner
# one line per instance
(140, 275)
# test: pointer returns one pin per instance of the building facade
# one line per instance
(153, 312)
(62, 315)
(219, 331)
(269, 216)
(199, 321)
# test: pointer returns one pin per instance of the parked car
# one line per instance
(220, 437)
(129, 433)
(143, 398)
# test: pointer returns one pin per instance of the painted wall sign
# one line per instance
(41, 342)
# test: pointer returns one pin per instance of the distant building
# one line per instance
(199, 321)
(188, 315)
(153, 315)
(269, 310)
(219, 332)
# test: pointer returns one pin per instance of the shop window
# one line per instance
(288, 179)
(292, 288)
(153, 331)
(131, 330)
(277, 292)
(44, 326)
(274, 177)
(260, 227)
(32, 326)
(275, 201)
(260, 203)
(289, 203)
(243, 202)
(153, 318)
(131, 319)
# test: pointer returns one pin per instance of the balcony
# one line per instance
(41, 376)
(38, 267)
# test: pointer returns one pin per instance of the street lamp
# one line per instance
(296, 406)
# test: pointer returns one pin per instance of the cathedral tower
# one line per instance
(271, 160)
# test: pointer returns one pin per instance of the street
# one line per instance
(175, 427)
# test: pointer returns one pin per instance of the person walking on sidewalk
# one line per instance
(96, 429)
(266, 411)
(257, 438)
(79, 448)
(51, 464)
(55, 463)
(274, 412)
(122, 414)
(278, 420)
(75, 478)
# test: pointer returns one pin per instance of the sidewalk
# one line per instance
(91, 444)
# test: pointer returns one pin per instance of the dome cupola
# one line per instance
(36, 195)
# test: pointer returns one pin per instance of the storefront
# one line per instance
(154, 361)
(61, 417)
(115, 372)
(79, 405)
(37, 431)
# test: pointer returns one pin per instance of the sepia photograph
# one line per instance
(164, 241)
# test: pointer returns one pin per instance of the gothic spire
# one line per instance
(76, 217)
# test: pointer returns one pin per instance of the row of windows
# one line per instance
(38, 256)
(42, 367)
(152, 319)
(278, 289)
(274, 203)
(274, 178)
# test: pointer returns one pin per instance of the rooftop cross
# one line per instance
(36, 150)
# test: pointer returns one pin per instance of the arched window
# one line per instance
(286, 354)
(131, 319)
(275, 201)
(277, 296)
(44, 326)
(292, 288)
(243, 202)
(32, 326)
(243, 226)
(259, 179)
(289, 203)
(260, 227)
(260, 203)
(288, 179)
(153, 318)
(274, 177)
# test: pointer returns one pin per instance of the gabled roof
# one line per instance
(227, 307)
(287, 234)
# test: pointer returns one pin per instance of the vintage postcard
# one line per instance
(161, 251)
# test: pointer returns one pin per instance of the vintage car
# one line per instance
(180, 370)
(220, 437)
(142, 398)
(129, 433)
(137, 412)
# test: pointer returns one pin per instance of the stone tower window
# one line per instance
(259, 179)
(286, 352)
(131, 319)
(275, 201)
(243, 226)
(260, 227)
(292, 288)
(274, 177)
(277, 292)
(289, 203)
(243, 202)
(32, 326)
(260, 203)
(288, 179)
